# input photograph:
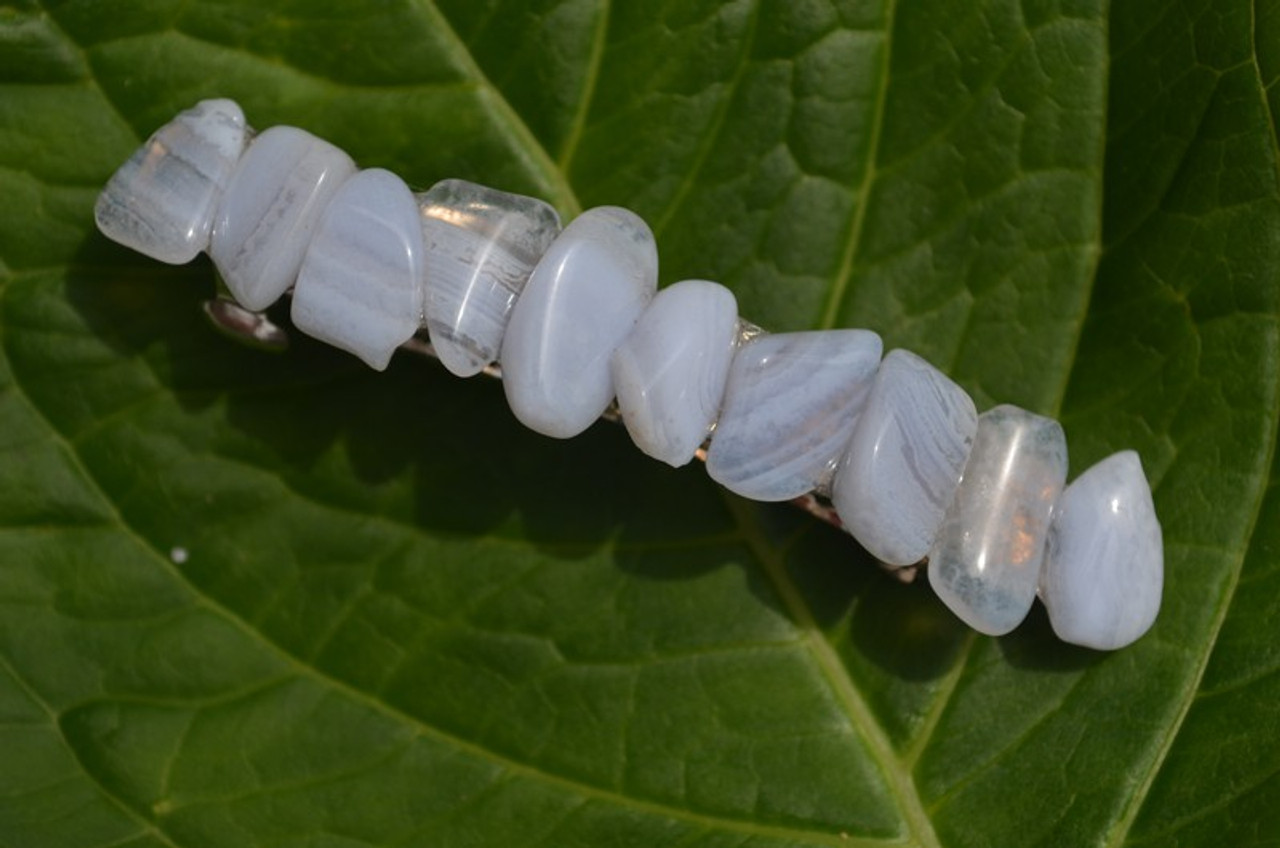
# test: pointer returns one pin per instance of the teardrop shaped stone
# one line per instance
(581, 301)
(161, 201)
(1103, 572)
(275, 199)
(903, 464)
(791, 404)
(481, 246)
(360, 285)
(985, 563)
(671, 371)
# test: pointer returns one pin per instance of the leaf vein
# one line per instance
(896, 771)
(116, 801)
(714, 130)
(587, 95)
(526, 144)
(840, 285)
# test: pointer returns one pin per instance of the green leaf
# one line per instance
(256, 600)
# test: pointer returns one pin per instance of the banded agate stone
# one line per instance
(792, 402)
(275, 199)
(903, 464)
(670, 373)
(161, 202)
(1103, 572)
(581, 301)
(360, 285)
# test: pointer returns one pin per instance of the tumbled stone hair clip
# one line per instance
(575, 320)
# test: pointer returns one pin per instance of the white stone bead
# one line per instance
(581, 301)
(1104, 565)
(790, 406)
(269, 211)
(161, 202)
(481, 245)
(904, 461)
(985, 563)
(670, 373)
(360, 285)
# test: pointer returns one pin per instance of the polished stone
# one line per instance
(904, 461)
(985, 563)
(161, 201)
(791, 403)
(670, 372)
(1103, 573)
(581, 301)
(360, 286)
(481, 246)
(267, 215)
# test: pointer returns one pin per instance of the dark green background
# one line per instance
(406, 621)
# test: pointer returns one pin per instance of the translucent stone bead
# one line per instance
(269, 211)
(161, 202)
(1104, 565)
(581, 301)
(790, 406)
(481, 246)
(670, 373)
(985, 564)
(360, 285)
(904, 461)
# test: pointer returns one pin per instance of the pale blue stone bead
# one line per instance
(481, 246)
(790, 405)
(581, 301)
(904, 461)
(161, 201)
(1103, 573)
(360, 285)
(275, 199)
(985, 563)
(670, 372)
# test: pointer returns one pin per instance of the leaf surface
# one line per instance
(278, 600)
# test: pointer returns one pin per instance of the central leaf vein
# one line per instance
(840, 285)
(896, 771)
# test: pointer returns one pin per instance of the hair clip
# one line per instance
(886, 446)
